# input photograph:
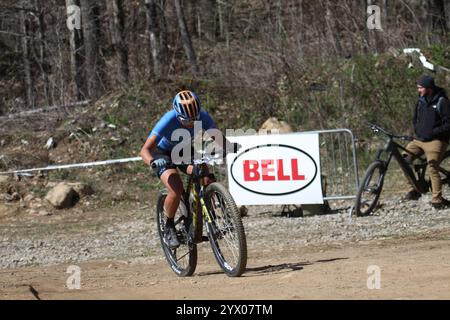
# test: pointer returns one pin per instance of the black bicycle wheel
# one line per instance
(225, 230)
(445, 169)
(370, 189)
(182, 260)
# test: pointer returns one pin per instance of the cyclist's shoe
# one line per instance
(412, 195)
(171, 238)
(444, 204)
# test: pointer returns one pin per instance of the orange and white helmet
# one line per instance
(186, 105)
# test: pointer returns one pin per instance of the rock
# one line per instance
(82, 189)
(35, 205)
(61, 196)
(13, 197)
(272, 125)
(51, 184)
(119, 195)
(44, 213)
(28, 198)
(243, 210)
(4, 179)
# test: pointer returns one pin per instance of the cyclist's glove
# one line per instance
(158, 163)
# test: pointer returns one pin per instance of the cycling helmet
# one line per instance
(186, 105)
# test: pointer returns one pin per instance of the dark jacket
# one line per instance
(432, 117)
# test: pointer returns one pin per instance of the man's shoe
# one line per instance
(444, 204)
(412, 195)
(171, 238)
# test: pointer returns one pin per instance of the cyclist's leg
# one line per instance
(415, 150)
(434, 151)
(172, 181)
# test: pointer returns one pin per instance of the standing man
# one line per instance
(432, 133)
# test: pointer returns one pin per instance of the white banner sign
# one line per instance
(276, 169)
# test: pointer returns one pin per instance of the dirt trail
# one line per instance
(414, 268)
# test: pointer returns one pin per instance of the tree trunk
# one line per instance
(224, 11)
(115, 10)
(91, 32)
(76, 56)
(446, 14)
(185, 38)
(153, 34)
(333, 33)
(208, 18)
(192, 16)
(377, 34)
(28, 77)
(163, 35)
(42, 52)
(437, 17)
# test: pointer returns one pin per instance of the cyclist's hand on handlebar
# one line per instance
(158, 163)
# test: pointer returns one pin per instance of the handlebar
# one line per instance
(376, 128)
(204, 159)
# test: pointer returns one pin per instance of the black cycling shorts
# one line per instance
(164, 154)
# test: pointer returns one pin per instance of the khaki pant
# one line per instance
(434, 151)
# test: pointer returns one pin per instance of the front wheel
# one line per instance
(370, 189)
(225, 230)
(182, 260)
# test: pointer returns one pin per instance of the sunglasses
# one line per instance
(187, 121)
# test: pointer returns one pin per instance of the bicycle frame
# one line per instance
(392, 148)
(196, 189)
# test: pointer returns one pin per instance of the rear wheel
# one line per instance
(370, 189)
(225, 230)
(182, 260)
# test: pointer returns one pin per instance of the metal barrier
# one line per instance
(338, 163)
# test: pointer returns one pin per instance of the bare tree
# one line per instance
(116, 26)
(192, 16)
(378, 34)
(42, 50)
(91, 34)
(76, 57)
(332, 28)
(163, 34)
(446, 14)
(208, 19)
(153, 34)
(27, 72)
(185, 37)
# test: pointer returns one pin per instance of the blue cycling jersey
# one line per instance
(169, 123)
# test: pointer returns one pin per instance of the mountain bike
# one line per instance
(213, 206)
(371, 185)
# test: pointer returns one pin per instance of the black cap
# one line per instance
(426, 81)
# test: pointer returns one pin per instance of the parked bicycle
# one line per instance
(371, 185)
(214, 205)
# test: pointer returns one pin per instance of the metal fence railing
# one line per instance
(339, 165)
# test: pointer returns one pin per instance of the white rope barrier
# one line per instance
(75, 165)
